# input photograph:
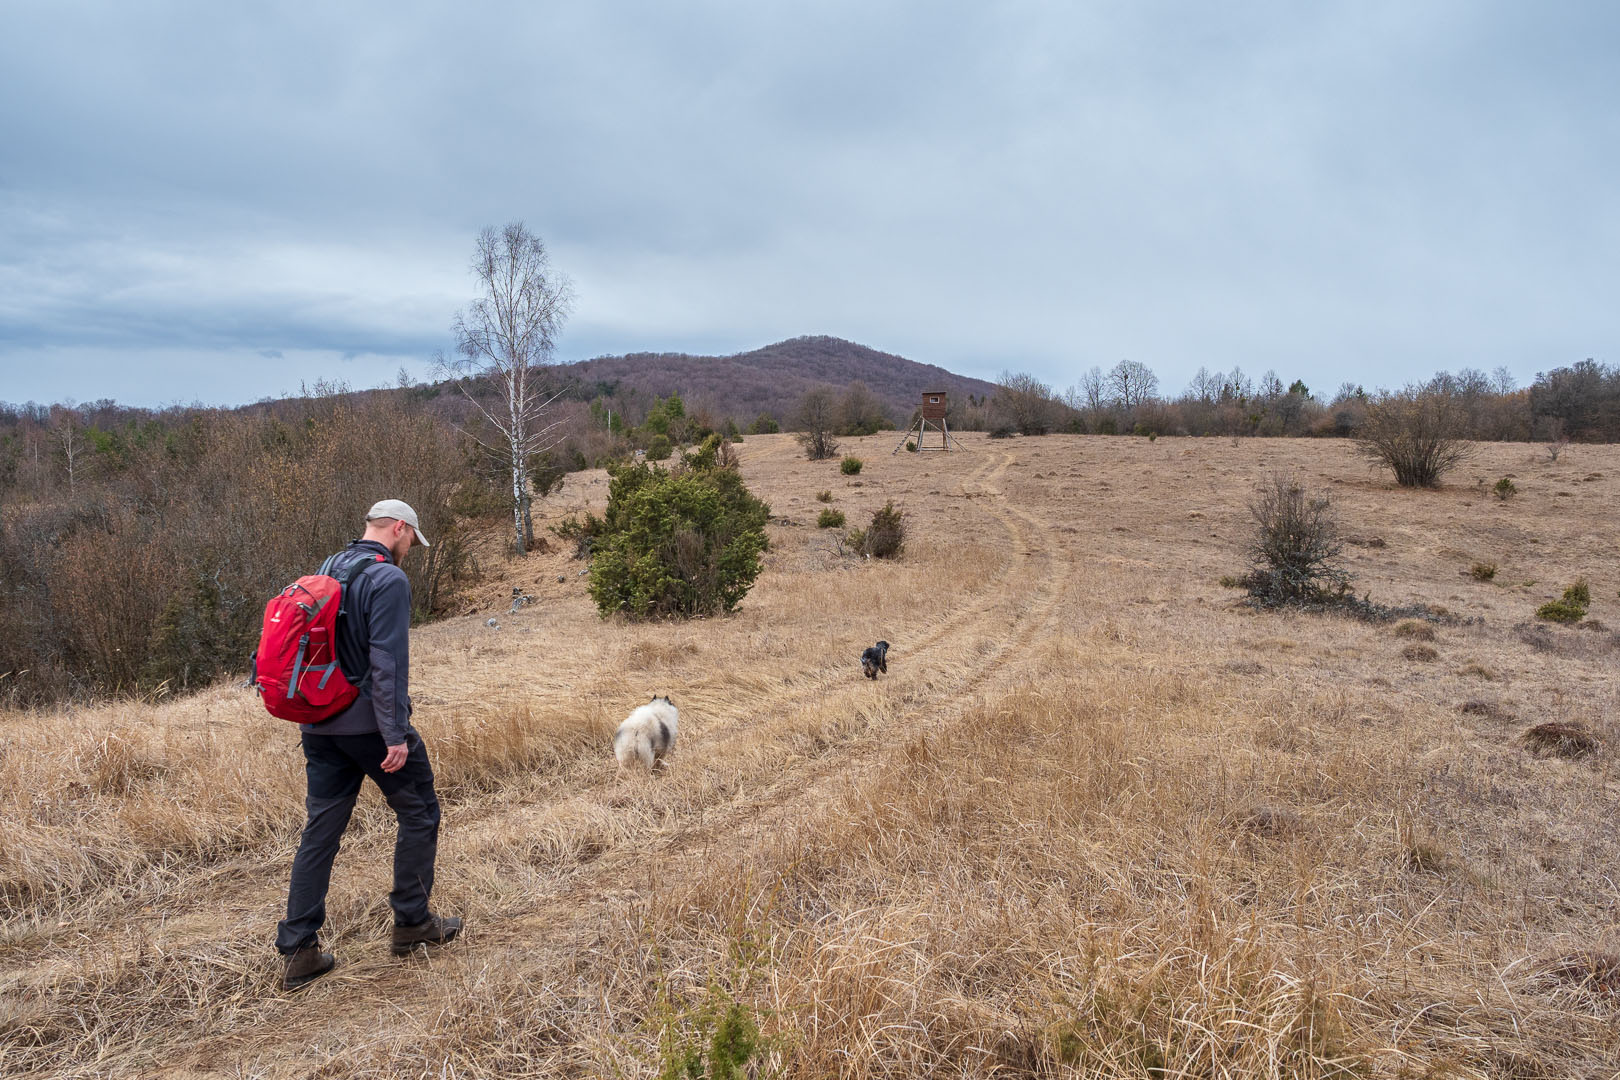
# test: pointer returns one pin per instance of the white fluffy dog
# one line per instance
(647, 734)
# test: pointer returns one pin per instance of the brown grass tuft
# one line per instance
(1273, 822)
(1416, 629)
(1561, 740)
(1420, 653)
(1596, 973)
(1488, 709)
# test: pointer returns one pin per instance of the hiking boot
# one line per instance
(305, 965)
(435, 931)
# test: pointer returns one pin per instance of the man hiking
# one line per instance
(372, 737)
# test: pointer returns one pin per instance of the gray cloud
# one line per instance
(1369, 191)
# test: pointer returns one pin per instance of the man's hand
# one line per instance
(395, 759)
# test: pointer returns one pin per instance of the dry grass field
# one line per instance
(1098, 820)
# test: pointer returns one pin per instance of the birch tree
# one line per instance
(65, 426)
(505, 339)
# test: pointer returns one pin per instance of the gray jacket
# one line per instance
(373, 647)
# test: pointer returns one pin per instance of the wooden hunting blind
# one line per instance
(931, 415)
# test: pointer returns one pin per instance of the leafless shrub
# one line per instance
(816, 419)
(1416, 433)
(1295, 547)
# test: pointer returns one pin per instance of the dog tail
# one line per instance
(633, 745)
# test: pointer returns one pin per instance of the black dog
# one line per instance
(875, 659)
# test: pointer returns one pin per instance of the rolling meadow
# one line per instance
(1100, 819)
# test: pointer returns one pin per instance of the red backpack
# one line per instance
(296, 667)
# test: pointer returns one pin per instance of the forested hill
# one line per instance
(770, 379)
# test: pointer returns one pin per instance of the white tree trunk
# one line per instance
(517, 500)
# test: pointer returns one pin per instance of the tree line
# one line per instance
(1579, 403)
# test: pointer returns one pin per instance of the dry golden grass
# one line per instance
(1098, 820)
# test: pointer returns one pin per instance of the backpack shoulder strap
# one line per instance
(345, 566)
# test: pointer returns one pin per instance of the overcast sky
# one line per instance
(216, 202)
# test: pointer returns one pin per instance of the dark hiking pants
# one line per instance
(336, 765)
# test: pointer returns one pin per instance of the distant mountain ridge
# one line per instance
(770, 379)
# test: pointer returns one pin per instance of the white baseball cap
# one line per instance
(399, 511)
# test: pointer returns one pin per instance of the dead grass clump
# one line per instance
(1561, 740)
(1479, 671)
(1157, 1025)
(88, 823)
(1420, 853)
(119, 764)
(481, 751)
(1488, 709)
(1538, 637)
(645, 655)
(1272, 822)
(1415, 629)
(1420, 653)
(1543, 638)
(1482, 571)
(1596, 973)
